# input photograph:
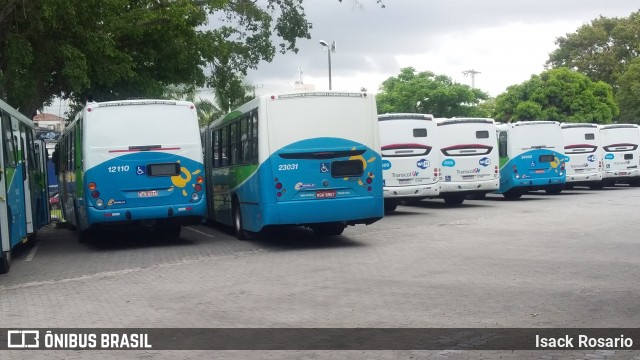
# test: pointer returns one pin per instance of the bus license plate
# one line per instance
(150, 193)
(325, 194)
(622, 173)
(539, 171)
(405, 181)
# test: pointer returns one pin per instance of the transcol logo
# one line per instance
(485, 161)
(404, 175)
(449, 163)
(591, 158)
(472, 171)
(423, 163)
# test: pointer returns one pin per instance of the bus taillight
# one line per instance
(278, 186)
(496, 169)
(197, 187)
(199, 179)
(95, 194)
(92, 186)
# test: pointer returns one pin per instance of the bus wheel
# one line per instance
(512, 194)
(329, 229)
(5, 261)
(453, 199)
(241, 234)
(390, 205)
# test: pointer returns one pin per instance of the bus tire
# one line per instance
(5, 261)
(512, 194)
(390, 205)
(238, 226)
(329, 229)
(453, 200)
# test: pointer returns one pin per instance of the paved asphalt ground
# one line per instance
(567, 260)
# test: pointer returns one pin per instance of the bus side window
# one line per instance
(254, 136)
(9, 146)
(216, 147)
(244, 140)
(502, 144)
(224, 141)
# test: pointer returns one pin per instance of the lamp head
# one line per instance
(323, 43)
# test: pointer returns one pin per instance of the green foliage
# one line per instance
(605, 50)
(560, 95)
(426, 92)
(629, 94)
(114, 49)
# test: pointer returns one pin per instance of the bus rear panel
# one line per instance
(531, 158)
(583, 153)
(620, 145)
(469, 158)
(410, 158)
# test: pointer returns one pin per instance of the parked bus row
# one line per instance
(324, 160)
(454, 158)
(24, 203)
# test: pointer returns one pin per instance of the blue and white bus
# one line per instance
(621, 147)
(133, 163)
(469, 158)
(23, 185)
(409, 158)
(583, 154)
(309, 159)
(531, 158)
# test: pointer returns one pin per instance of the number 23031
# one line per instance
(114, 169)
(288, 167)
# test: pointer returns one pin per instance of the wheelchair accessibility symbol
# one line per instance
(140, 170)
(324, 168)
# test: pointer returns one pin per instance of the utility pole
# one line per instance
(473, 74)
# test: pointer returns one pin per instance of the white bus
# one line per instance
(310, 159)
(621, 154)
(410, 158)
(469, 158)
(583, 154)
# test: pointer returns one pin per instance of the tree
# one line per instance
(115, 49)
(604, 51)
(560, 95)
(628, 95)
(426, 92)
(237, 93)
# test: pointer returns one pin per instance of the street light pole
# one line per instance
(330, 49)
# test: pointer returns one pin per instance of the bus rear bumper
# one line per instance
(471, 187)
(351, 211)
(533, 184)
(584, 178)
(414, 191)
(181, 214)
(620, 174)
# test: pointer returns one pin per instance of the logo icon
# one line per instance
(449, 163)
(22, 339)
(324, 167)
(386, 164)
(609, 156)
(423, 163)
(591, 158)
(485, 161)
(140, 170)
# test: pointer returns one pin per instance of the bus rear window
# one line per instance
(589, 136)
(346, 168)
(419, 132)
(482, 134)
(171, 169)
(628, 156)
(546, 158)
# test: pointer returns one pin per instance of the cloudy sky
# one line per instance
(505, 40)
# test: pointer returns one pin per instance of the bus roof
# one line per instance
(452, 121)
(405, 116)
(578, 125)
(15, 113)
(618, 126)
